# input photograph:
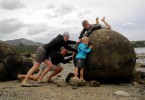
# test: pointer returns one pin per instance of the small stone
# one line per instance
(73, 81)
(121, 93)
(94, 83)
(135, 83)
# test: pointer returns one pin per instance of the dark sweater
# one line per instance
(57, 43)
(58, 58)
(88, 31)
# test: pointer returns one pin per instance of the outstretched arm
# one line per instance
(107, 25)
(68, 47)
(82, 33)
(70, 42)
(66, 60)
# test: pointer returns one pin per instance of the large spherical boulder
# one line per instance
(10, 62)
(112, 58)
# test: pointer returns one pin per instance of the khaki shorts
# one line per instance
(43, 66)
(40, 54)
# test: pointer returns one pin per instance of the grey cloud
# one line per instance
(11, 4)
(10, 25)
(133, 28)
(134, 24)
(54, 31)
(62, 10)
(69, 21)
(50, 6)
(82, 13)
(128, 25)
(37, 28)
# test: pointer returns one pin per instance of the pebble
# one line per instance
(121, 93)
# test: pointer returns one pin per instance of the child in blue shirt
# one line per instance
(83, 49)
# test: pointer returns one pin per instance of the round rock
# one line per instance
(112, 58)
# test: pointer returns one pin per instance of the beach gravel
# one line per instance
(12, 90)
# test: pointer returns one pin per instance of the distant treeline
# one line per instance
(138, 43)
(26, 48)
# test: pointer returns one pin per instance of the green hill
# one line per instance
(26, 48)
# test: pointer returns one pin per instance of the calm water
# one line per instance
(139, 50)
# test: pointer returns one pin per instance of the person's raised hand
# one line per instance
(79, 40)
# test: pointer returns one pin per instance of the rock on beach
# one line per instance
(112, 58)
(10, 62)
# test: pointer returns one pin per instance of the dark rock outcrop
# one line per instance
(10, 62)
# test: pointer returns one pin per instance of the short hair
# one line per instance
(62, 48)
(84, 22)
(66, 34)
(85, 39)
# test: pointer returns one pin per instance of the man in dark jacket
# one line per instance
(56, 59)
(43, 53)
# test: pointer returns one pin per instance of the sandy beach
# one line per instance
(12, 90)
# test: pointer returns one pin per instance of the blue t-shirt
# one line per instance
(82, 51)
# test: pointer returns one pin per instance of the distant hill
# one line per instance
(23, 41)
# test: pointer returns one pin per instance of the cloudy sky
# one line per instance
(42, 20)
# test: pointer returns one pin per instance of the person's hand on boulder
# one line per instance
(91, 46)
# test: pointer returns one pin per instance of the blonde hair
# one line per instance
(85, 39)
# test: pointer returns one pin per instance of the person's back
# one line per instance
(56, 44)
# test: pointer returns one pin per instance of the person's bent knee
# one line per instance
(59, 68)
